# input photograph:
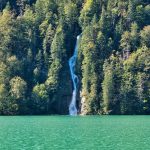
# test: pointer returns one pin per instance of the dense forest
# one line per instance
(37, 38)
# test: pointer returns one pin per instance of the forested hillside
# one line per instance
(37, 38)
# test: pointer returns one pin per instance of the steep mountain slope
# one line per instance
(37, 38)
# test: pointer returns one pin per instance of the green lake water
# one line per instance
(75, 133)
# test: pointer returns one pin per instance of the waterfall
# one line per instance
(72, 63)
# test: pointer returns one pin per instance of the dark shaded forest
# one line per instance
(37, 38)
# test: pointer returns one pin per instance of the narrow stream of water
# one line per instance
(72, 63)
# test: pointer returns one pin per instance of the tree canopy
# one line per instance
(37, 38)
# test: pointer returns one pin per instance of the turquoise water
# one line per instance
(75, 133)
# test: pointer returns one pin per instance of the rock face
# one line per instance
(83, 112)
(63, 96)
(83, 104)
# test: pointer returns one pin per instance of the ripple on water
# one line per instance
(75, 133)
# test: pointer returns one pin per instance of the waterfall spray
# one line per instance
(75, 80)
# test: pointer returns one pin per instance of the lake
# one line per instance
(75, 133)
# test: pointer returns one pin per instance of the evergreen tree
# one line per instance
(37, 38)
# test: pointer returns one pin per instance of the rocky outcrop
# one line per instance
(63, 96)
(83, 104)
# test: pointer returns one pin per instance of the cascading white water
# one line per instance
(72, 63)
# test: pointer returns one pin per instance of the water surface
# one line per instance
(75, 133)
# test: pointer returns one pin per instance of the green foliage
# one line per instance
(129, 85)
(37, 38)
(90, 8)
(108, 88)
(71, 13)
(41, 99)
(145, 36)
(58, 55)
(111, 84)
(18, 88)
